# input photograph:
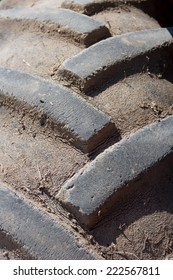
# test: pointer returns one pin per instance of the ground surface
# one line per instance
(35, 162)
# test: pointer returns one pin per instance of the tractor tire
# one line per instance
(86, 146)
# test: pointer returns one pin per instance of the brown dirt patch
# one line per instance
(136, 101)
(143, 227)
(126, 19)
(33, 51)
(32, 161)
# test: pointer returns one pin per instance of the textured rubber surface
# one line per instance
(46, 97)
(89, 7)
(113, 57)
(43, 237)
(80, 28)
(122, 165)
(87, 158)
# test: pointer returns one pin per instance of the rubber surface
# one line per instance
(86, 122)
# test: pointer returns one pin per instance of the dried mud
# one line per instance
(35, 163)
(136, 101)
(125, 19)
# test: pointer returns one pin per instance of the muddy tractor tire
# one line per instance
(86, 146)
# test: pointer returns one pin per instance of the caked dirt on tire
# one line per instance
(36, 161)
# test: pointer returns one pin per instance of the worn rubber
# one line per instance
(43, 237)
(80, 94)
(46, 97)
(109, 176)
(124, 54)
(80, 28)
(90, 7)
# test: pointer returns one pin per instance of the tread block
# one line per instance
(113, 57)
(43, 237)
(78, 121)
(93, 191)
(90, 7)
(81, 28)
